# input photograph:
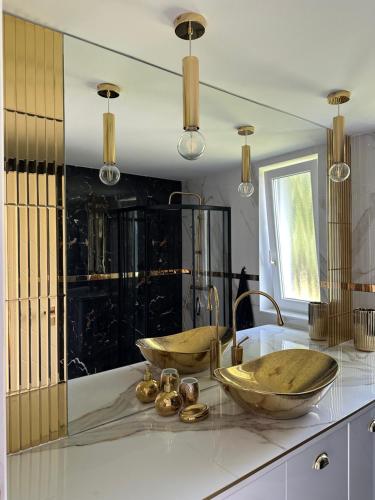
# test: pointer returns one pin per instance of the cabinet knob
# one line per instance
(371, 426)
(321, 461)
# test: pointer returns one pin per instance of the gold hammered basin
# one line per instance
(188, 351)
(280, 385)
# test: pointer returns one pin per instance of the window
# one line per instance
(290, 241)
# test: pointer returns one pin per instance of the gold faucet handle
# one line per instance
(242, 341)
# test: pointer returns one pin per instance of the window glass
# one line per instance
(295, 237)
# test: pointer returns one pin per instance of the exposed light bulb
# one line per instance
(109, 175)
(191, 144)
(246, 189)
(339, 172)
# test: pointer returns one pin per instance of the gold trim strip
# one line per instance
(355, 287)
(43, 251)
(24, 344)
(30, 69)
(9, 61)
(20, 65)
(34, 344)
(44, 342)
(143, 274)
(113, 276)
(11, 233)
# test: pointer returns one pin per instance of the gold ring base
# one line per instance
(197, 22)
(338, 97)
(246, 130)
(104, 88)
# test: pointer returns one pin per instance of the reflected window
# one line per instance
(290, 216)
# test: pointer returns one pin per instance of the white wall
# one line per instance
(221, 189)
(3, 493)
(363, 216)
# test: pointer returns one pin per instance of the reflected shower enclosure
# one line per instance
(183, 249)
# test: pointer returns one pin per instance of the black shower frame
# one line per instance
(120, 212)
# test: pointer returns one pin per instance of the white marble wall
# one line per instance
(363, 216)
(221, 189)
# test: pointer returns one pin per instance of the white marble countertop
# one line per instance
(142, 455)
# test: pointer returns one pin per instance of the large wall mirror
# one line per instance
(132, 260)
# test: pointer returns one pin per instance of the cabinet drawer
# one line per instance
(270, 485)
(329, 483)
(361, 457)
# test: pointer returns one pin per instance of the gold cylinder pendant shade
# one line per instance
(338, 139)
(109, 143)
(190, 70)
(246, 176)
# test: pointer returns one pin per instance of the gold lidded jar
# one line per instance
(169, 401)
(147, 390)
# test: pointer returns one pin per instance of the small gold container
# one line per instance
(318, 320)
(364, 329)
(194, 413)
(189, 390)
(147, 390)
(169, 401)
(174, 378)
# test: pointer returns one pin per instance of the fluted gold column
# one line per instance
(34, 233)
(339, 222)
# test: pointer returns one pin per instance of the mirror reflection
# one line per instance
(142, 257)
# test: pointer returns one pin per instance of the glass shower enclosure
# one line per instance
(169, 256)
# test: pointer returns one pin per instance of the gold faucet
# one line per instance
(215, 346)
(237, 350)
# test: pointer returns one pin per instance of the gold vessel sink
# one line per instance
(281, 385)
(188, 352)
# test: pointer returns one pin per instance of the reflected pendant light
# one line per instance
(109, 174)
(191, 144)
(246, 188)
(339, 171)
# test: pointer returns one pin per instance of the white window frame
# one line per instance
(293, 308)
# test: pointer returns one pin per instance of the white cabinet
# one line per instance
(270, 485)
(361, 457)
(328, 483)
(345, 467)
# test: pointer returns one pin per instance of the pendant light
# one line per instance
(339, 170)
(191, 144)
(246, 188)
(109, 174)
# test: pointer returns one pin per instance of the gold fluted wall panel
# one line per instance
(339, 225)
(34, 233)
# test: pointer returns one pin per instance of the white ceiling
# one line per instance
(287, 54)
(149, 119)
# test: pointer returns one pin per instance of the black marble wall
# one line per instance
(106, 316)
